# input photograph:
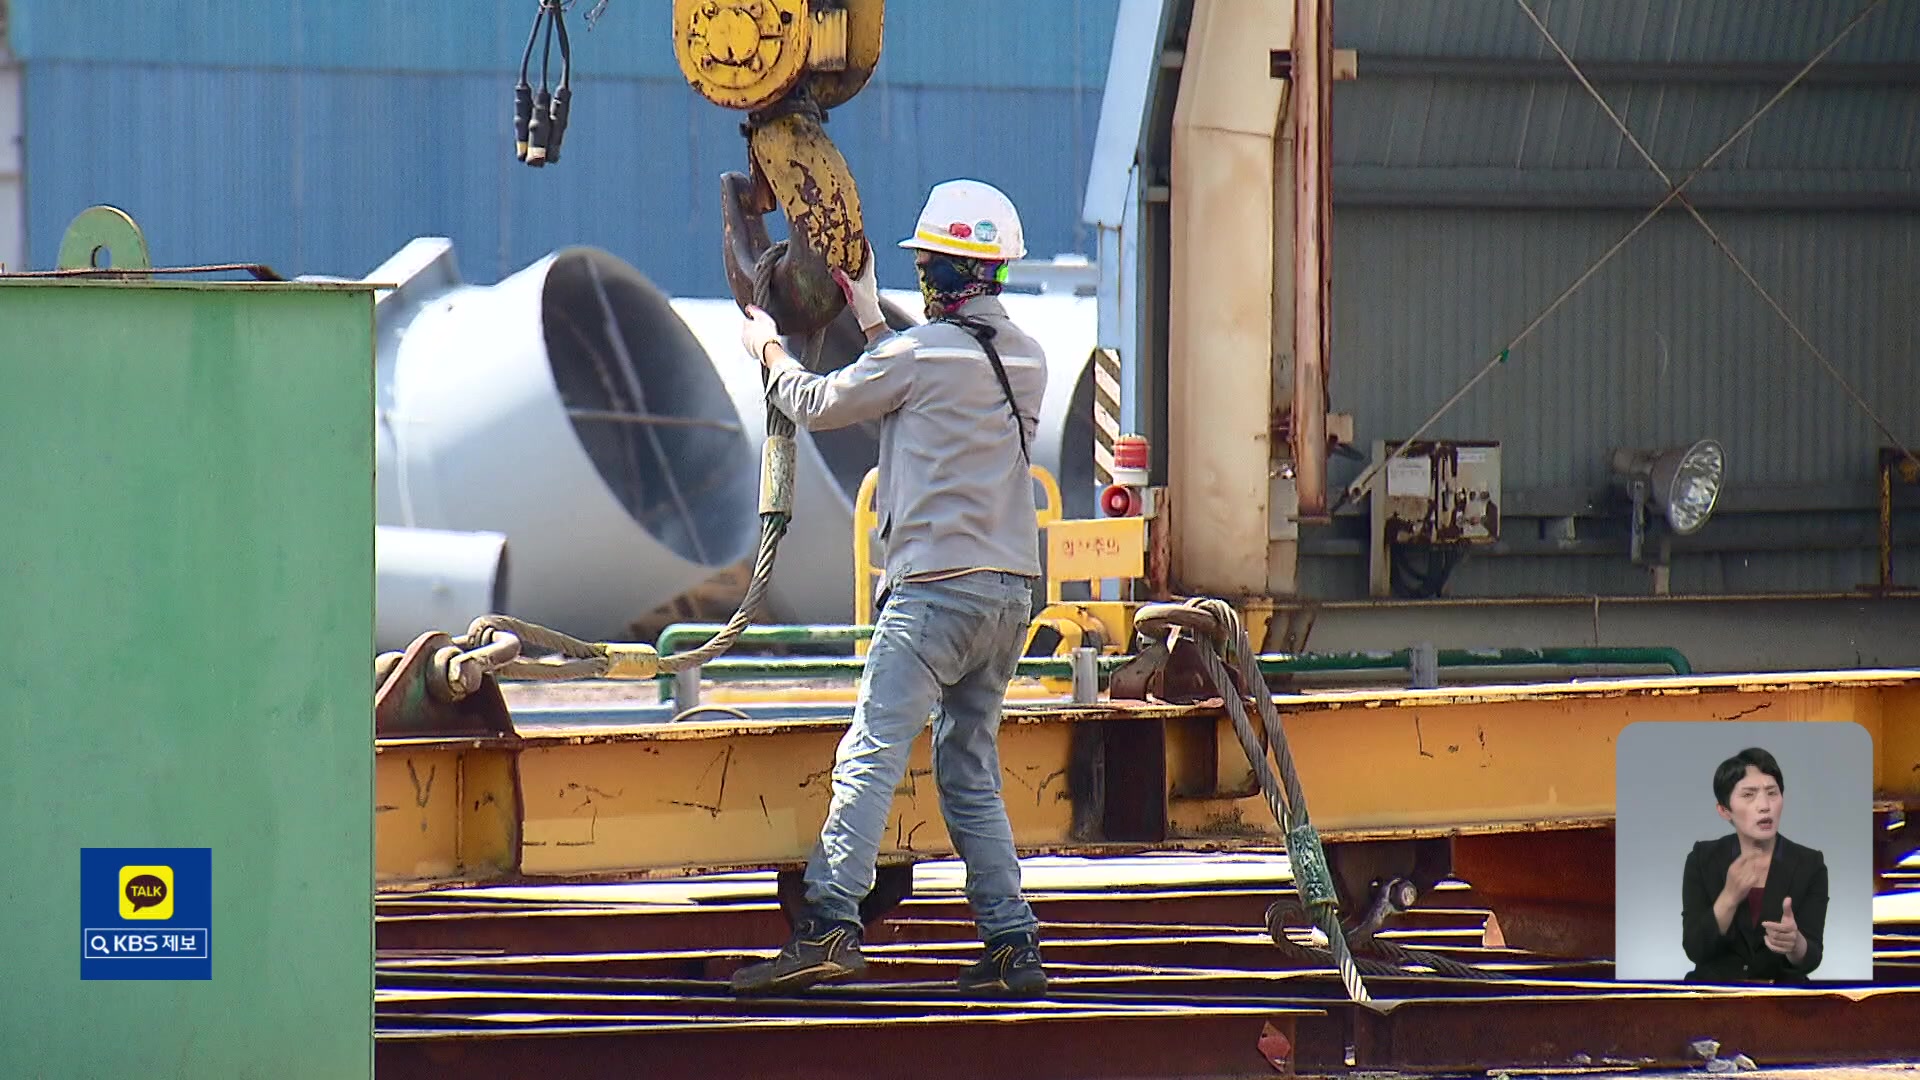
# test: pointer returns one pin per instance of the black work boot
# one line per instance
(1011, 967)
(820, 950)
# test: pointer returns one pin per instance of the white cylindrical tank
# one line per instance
(431, 579)
(813, 578)
(611, 437)
(569, 409)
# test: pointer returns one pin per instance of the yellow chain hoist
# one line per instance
(785, 63)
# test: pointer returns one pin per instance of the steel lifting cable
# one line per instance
(1725, 248)
(1227, 642)
(1368, 475)
(579, 659)
(506, 646)
(776, 489)
(490, 640)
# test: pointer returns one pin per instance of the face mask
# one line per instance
(942, 282)
(948, 281)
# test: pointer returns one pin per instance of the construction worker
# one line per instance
(958, 402)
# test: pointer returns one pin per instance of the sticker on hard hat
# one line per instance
(985, 231)
(959, 229)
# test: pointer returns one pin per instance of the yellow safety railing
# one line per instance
(866, 519)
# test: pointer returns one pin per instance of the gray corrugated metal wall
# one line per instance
(1654, 30)
(1010, 43)
(1468, 198)
(321, 137)
(1666, 344)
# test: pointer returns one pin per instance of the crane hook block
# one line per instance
(742, 54)
(750, 54)
(784, 63)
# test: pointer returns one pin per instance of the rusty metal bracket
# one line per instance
(414, 699)
(1170, 665)
(1176, 676)
(892, 885)
(104, 231)
(1346, 64)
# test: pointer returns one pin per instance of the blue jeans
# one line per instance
(947, 649)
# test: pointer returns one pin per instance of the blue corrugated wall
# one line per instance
(320, 137)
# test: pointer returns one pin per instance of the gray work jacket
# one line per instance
(954, 492)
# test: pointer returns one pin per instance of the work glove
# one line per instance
(863, 294)
(757, 333)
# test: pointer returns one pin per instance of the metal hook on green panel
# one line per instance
(104, 232)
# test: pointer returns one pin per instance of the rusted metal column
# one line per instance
(1221, 309)
(1311, 93)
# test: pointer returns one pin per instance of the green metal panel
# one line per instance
(186, 595)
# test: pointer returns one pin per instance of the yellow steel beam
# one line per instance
(697, 796)
(1896, 745)
(1434, 762)
(573, 802)
(445, 810)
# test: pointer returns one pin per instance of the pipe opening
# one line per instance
(1077, 488)
(631, 375)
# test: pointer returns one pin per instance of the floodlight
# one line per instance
(1682, 482)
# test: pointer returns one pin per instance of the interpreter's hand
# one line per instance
(1747, 872)
(758, 332)
(863, 293)
(1783, 937)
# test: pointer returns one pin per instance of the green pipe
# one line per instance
(1628, 656)
(816, 667)
(684, 635)
(820, 667)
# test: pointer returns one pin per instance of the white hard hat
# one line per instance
(969, 219)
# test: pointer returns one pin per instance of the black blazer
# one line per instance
(1741, 954)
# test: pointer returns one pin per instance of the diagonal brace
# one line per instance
(1373, 471)
(1675, 194)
